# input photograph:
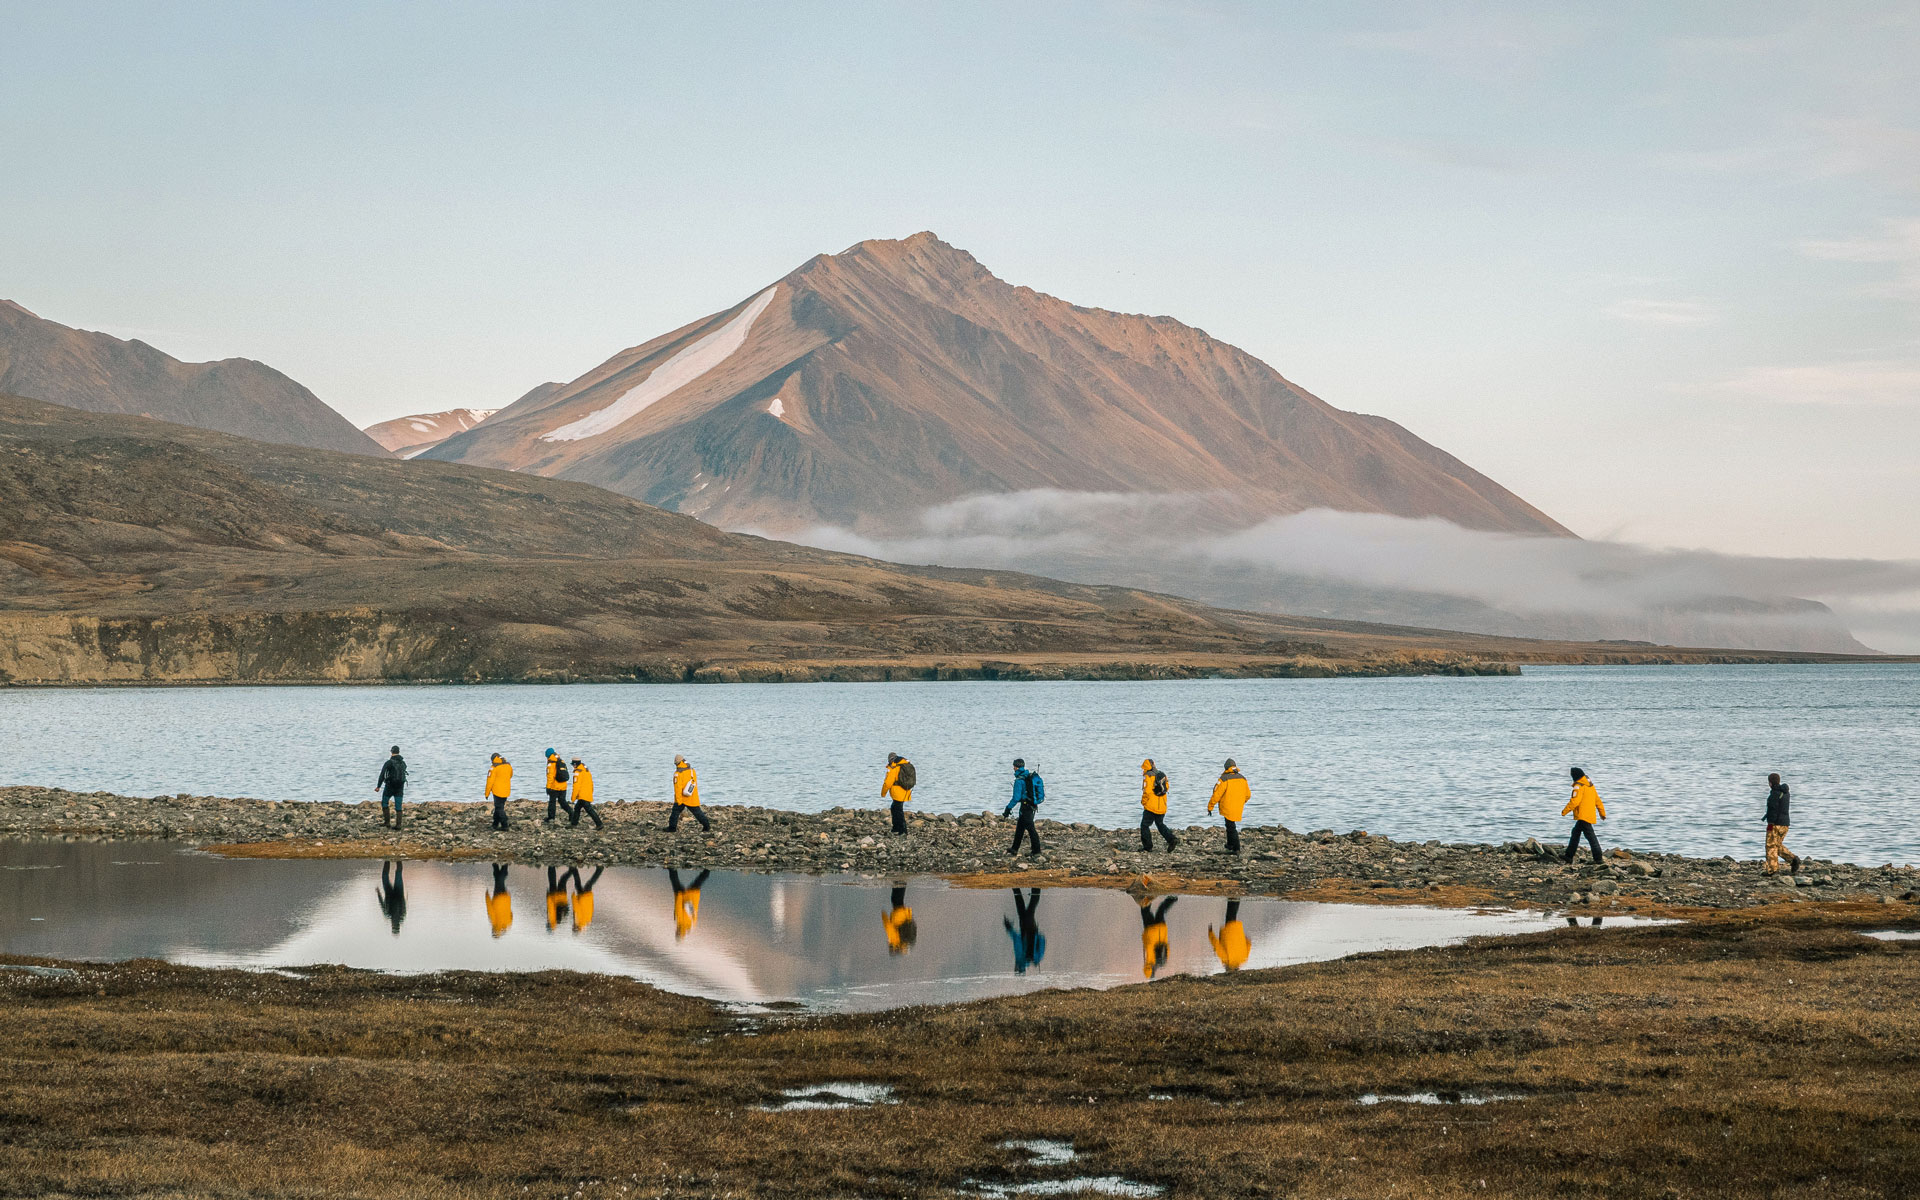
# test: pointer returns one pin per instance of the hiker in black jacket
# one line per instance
(1778, 818)
(392, 785)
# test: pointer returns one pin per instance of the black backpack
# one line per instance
(1159, 783)
(907, 777)
(396, 770)
(560, 772)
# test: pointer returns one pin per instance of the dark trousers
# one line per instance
(395, 795)
(579, 807)
(499, 812)
(1148, 822)
(1233, 838)
(673, 819)
(1025, 829)
(899, 817)
(556, 798)
(1573, 840)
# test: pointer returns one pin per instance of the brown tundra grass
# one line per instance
(1770, 1053)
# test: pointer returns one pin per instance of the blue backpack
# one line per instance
(1036, 789)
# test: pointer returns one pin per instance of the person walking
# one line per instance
(1585, 808)
(898, 787)
(686, 795)
(583, 898)
(499, 787)
(583, 796)
(1779, 800)
(392, 785)
(556, 784)
(1153, 806)
(1230, 945)
(1029, 944)
(686, 903)
(499, 903)
(1153, 934)
(902, 932)
(393, 894)
(1230, 796)
(1029, 793)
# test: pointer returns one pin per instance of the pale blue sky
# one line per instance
(1655, 266)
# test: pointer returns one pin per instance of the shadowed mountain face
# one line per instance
(47, 361)
(869, 385)
(409, 436)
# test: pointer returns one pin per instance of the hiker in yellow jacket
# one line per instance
(583, 796)
(897, 786)
(686, 903)
(1153, 806)
(1585, 808)
(499, 904)
(1230, 796)
(1153, 934)
(499, 787)
(902, 932)
(686, 795)
(1230, 945)
(556, 783)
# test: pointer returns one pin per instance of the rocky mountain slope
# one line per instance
(134, 550)
(868, 385)
(100, 373)
(409, 436)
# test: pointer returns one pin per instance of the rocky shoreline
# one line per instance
(969, 847)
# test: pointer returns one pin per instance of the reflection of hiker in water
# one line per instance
(499, 904)
(583, 898)
(1153, 934)
(1029, 944)
(556, 898)
(686, 903)
(1230, 945)
(393, 894)
(901, 930)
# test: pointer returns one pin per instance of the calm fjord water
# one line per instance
(1679, 753)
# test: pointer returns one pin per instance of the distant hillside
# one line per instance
(99, 373)
(133, 550)
(869, 385)
(408, 436)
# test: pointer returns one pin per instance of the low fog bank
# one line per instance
(1369, 567)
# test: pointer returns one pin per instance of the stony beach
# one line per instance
(970, 848)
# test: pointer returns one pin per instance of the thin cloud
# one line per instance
(1662, 312)
(1871, 383)
(1897, 245)
(1424, 572)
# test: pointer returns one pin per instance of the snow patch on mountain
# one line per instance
(670, 376)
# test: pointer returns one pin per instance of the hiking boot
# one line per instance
(1795, 868)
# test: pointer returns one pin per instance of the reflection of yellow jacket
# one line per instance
(556, 903)
(686, 911)
(686, 787)
(891, 792)
(582, 910)
(553, 775)
(894, 921)
(499, 912)
(499, 778)
(1585, 804)
(1230, 795)
(1231, 945)
(1153, 947)
(1149, 801)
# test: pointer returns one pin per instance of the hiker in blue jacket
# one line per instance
(1029, 792)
